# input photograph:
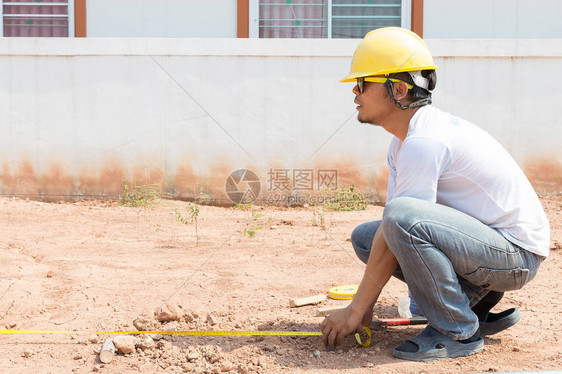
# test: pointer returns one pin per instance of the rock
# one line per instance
(226, 366)
(50, 274)
(189, 317)
(125, 343)
(93, 339)
(27, 353)
(556, 246)
(171, 326)
(192, 355)
(77, 357)
(163, 345)
(145, 342)
(143, 323)
(170, 312)
(317, 354)
(156, 337)
(211, 320)
(214, 358)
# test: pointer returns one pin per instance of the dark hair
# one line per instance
(418, 93)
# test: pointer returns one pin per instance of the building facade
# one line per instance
(436, 19)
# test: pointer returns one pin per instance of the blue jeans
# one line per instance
(448, 259)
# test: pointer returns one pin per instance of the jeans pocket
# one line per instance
(499, 280)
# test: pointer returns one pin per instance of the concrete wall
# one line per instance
(77, 116)
(161, 18)
(487, 19)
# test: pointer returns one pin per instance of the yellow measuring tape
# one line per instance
(358, 337)
(188, 332)
(191, 332)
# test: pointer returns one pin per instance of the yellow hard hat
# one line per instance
(389, 50)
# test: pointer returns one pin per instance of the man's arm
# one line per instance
(380, 267)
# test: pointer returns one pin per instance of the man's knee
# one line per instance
(399, 212)
(400, 221)
(362, 239)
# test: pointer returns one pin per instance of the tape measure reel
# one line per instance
(343, 292)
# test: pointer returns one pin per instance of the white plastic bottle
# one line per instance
(404, 307)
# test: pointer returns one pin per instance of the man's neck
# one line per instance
(399, 121)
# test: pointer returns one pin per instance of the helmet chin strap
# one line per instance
(419, 103)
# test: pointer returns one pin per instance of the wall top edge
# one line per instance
(265, 47)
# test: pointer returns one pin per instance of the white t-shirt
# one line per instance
(448, 160)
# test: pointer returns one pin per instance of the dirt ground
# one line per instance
(96, 266)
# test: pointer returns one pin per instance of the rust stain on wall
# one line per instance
(545, 175)
(372, 183)
(23, 181)
(143, 175)
(108, 183)
(57, 183)
(381, 184)
(185, 177)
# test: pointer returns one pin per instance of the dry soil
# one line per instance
(91, 266)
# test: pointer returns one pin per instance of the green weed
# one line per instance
(253, 226)
(347, 199)
(139, 196)
(243, 206)
(204, 198)
(318, 218)
(191, 217)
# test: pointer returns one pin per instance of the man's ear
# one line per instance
(400, 91)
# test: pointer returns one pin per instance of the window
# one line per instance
(37, 18)
(326, 18)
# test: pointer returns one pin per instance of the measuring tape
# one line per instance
(343, 292)
(192, 332)
(188, 332)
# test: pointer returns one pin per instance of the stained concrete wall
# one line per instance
(77, 116)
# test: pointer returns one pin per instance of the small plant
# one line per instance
(191, 217)
(347, 199)
(204, 198)
(139, 196)
(251, 229)
(318, 219)
(243, 206)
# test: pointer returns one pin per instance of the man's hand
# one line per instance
(338, 325)
(380, 267)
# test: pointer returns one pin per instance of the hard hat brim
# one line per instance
(351, 78)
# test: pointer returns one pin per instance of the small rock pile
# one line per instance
(201, 359)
